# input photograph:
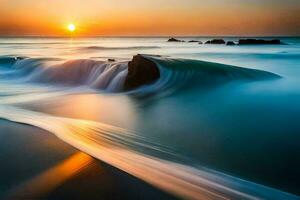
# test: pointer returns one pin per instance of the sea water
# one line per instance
(204, 130)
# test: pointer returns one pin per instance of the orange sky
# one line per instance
(150, 17)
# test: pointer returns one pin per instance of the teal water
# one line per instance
(207, 129)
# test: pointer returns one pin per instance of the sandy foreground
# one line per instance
(34, 164)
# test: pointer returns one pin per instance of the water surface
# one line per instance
(202, 130)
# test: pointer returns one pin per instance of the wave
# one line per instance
(118, 48)
(176, 74)
(6, 61)
(96, 74)
(113, 76)
(121, 148)
(30, 43)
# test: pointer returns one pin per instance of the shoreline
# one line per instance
(37, 165)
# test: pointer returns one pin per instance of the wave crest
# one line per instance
(174, 74)
(96, 74)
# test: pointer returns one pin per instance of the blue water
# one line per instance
(207, 130)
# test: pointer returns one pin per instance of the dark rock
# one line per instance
(111, 60)
(215, 41)
(258, 41)
(230, 43)
(141, 71)
(174, 40)
(200, 42)
(193, 41)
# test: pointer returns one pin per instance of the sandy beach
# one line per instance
(37, 165)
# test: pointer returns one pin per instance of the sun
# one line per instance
(71, 27)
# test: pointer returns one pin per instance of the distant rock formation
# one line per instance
(215, 41)
(200, 42)
(191, 41)
(141, 71)
(175, 40)
(111, 60)
(258, 41)
(230, 43)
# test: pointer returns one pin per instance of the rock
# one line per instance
(111, 60)
(193, 41)
(258, 41)
(141, 71)
(215, 41)
(230, 43)
(174, 40)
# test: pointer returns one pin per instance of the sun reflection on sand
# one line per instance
(47, 181)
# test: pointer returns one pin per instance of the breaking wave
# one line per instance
(111, 76)
(96, 74)
(176, 74)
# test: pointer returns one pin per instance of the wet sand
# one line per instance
(37, 165)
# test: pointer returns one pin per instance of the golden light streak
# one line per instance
(52, 178)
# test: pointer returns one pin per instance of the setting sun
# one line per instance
(71, 27)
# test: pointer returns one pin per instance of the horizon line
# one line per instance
(141, 36)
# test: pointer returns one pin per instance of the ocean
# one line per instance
(221, 122)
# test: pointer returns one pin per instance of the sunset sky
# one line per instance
(150, 17)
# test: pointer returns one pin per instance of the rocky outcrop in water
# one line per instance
(141, 71)
(230, 43)
(192, 41)
(215, 41)
(195, 41)
(174, 40)
(258, 42)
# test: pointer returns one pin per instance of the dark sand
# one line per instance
(34, 164)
